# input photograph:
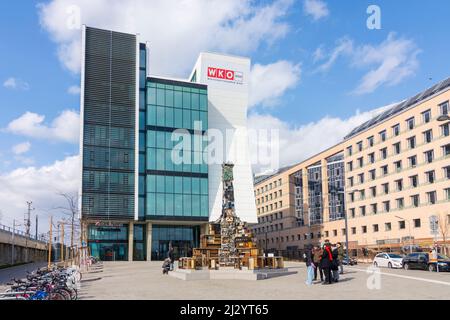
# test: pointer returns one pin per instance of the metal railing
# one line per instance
(41, 238)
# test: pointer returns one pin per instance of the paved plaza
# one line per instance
(144, 280)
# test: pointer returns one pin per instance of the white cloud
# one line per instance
(16, 84)
(176, 30)
(21, 148)
(74, 90)
(270, 82)
(40, 185)
(317, 9)
(393, 60)
(63, 128)
(389, 62)
(299, 143)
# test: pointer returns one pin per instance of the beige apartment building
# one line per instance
(390, 175)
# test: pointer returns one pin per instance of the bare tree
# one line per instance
(444, 227)
(71, 212)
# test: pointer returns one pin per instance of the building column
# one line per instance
(130, 241)
(149, 241)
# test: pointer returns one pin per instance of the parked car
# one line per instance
(421, 260)
(351, 261)
(389, 260)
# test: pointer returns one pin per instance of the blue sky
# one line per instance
(38, 65)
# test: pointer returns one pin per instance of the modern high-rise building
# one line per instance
(390, 177)
(148, 179)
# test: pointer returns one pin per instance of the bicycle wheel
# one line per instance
(65, 293)
(56, 296)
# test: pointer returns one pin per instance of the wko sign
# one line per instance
(225, 75)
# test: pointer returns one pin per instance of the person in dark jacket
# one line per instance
(326, 263)
(335, 264)
(170, 255)
(317, 256)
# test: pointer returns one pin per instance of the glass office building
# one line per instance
(144, 174)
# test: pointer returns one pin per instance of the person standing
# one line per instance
(326, 263)
(335, 263)
(341, 256)
(316, 259)
(310, 265)
(171, 257)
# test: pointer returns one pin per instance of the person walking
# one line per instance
(310, 265)
(341, 256)
(317, 255)
(326, 262)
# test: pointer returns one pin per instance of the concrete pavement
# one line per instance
(144, 280)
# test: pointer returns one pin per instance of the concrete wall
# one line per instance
(25, 250)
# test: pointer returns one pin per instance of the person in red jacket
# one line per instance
(327, 262)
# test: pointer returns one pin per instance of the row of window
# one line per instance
(176, 118)
(429, 157)
(410, 124)
(179, 161)
(183, 99)
(274, 206)
(268, 187)
(415, 202)
(169, 204)
(269, 197)
(397, 149)
(270, 218)
(271, 228)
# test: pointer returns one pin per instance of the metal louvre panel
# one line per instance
(108, 184)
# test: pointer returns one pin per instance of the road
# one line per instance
(144, 280)
(18, 272)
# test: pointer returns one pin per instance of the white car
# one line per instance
(389, 260)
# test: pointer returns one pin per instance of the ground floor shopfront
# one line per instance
(141, 241)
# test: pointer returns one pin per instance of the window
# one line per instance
(361, 162)
(400, 203)
(414, 181)
(372, 174)
(444, 108)
(364, 229)
(349, 151)
(430, 176)
(399, 184)
(383, 135)
(417, 223)
(370, 141)
(386, 188)
(412, 142)
(327, 234)
(383, 153)
(334, 233)
(412, 161)
(387, 226)
(353, 230)
(428, 136)
(446, 150)
(396, 130)
(360, 146)
(402, 225)
(362, 194)
(374, 208)
(362, 210)
(384, 170)
(447, 194)
(398, 165)
(350, 181)
(410, 123)
(415, 201)
(387, 206)
(426, 116)
(445, 129)
(361, 178)
(429, 156)
(375, 228)
(373, 191)
(397, 148)
(431, 197)
(447, 172)
(352, 213)
(372, 157)
(352, 197)
(350, 166)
